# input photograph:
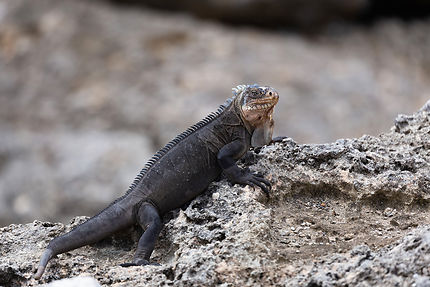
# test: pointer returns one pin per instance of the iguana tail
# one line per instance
(114, 218)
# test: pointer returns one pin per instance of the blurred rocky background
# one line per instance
(90, 89)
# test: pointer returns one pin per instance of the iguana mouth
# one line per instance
(266, 103)
(266, 106)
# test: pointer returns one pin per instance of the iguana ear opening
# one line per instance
(262, 135)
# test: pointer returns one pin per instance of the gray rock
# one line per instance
(74, 282)
(233, 235)
(426, 107)
(48, 174)
(88, 91)
(406, 263)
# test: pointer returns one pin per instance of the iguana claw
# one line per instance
(261, 182)
(244, 176)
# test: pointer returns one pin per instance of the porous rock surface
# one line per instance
(350, 213)
(89, 91)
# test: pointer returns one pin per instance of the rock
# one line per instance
(302, 15)
(74, 282)
(389, 212)
(89, 91)
(426, 107)
(307, 15)
(233, 235)
(406, 263)
(47, 174)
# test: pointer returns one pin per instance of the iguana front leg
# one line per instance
(227, 160)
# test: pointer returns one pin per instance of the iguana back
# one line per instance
(186, 166)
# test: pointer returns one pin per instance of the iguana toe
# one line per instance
(262, 183)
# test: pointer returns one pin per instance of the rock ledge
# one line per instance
(347, 213)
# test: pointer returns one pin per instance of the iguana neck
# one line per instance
(238, 111)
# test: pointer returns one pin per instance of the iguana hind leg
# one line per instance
(150, 220)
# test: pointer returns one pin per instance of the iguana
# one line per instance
(181, 171)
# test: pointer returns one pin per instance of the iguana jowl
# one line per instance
(181, 171)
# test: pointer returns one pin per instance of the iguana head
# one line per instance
(256, 105)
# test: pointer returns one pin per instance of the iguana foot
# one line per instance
(140, 262)
(259, 180)
(245, 177)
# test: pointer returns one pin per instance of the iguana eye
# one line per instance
(270, 93)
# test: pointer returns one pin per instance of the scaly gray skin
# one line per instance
(181, 171)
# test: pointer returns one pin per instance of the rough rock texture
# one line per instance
(350, 213)
(89, 91)
(406, 263)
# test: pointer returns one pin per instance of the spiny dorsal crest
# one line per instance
(239, 89)
(208, 119)
(242, 88)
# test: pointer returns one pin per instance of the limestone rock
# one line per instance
(89, 91)
(406, 263)
(330, 221)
